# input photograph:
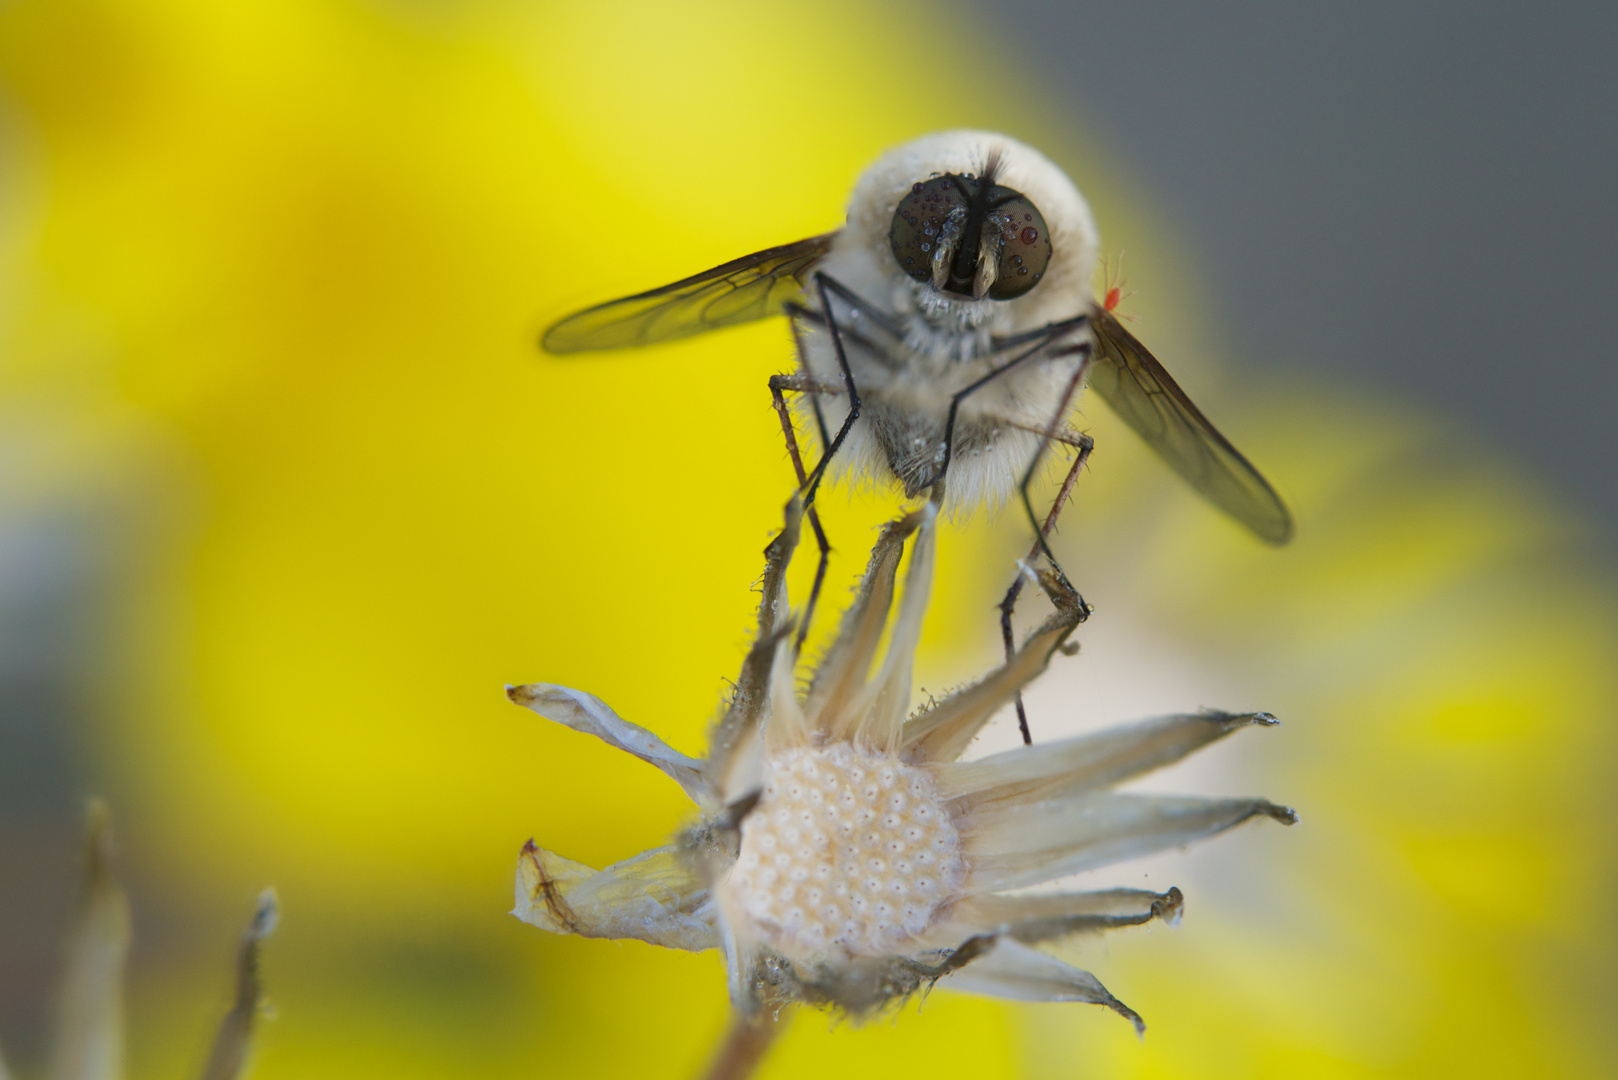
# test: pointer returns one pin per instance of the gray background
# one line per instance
(1424, 196)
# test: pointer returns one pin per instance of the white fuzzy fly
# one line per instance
(960, 281)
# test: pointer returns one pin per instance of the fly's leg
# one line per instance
(804, 384)
(809, 484)
(1084, 445)
(1049, 435)
(812, 483)
(863, 318)
(779, 383)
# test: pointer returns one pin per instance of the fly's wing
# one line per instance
(1130, 379)
(752, 287)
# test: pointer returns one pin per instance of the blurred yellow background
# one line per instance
(270, 283)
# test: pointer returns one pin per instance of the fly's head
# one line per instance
(969, 237)
(971, 229)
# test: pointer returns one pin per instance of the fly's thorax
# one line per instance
(905, 408)
(848, 853)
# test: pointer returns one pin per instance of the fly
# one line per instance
(944, 333)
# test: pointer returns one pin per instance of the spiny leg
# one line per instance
(1083, 350)
(1085, 444)
(863, 319)
(779, 383)
(809, 484)
(805, 384)
(1009, 604)
(808, 385)
(812, 483)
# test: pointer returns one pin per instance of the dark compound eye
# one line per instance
(929, 218)
(944, 227)
(1025, 250)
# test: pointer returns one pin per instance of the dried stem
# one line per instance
(744, 1045)
(236, 1031)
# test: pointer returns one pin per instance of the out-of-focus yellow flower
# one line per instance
(845, 856)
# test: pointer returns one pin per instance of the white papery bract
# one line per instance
(844, 856)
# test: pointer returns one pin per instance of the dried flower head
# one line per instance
(844, 856)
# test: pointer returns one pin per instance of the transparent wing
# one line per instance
(1130, 379)
(752, 287)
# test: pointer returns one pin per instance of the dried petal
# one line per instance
(943, 732)
(1044, 916)
(235, 1033)
(1026, 844)
(741, 773)
(741, 966)
(787, 726)
(748, 702)
(589, 714)
(1073, 766)
(842, 672)
(90, 1021)
(882, 707)
(657, 897)
(1013, 970)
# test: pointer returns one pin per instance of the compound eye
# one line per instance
(932, 209)
(1025, 248)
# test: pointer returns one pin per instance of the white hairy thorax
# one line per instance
(848, 852)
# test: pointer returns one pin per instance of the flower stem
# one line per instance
(744, 1045)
